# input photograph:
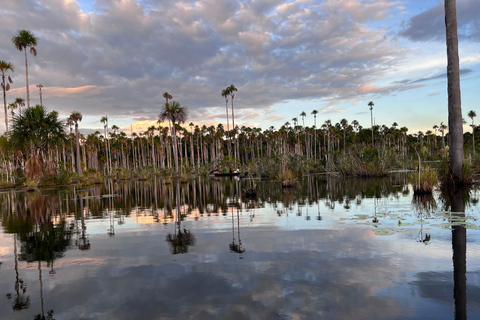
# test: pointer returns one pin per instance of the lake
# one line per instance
(329, 248)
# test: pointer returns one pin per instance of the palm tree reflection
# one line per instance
(424, 205)
(179, 241)
(234, 246)
(83, 243)
(21, 300)
(459, 246)
(48, 240)
(455, 201)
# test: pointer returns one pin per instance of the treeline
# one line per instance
(40, 144)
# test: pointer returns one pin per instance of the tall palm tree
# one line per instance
(344, 125)
(76, 117)
(191, 125)
(472, 114)
(104, 120)
(225, 93)
(175, 114)
(40, 86)
(20, 102)
(151, 133)
(455, 125)
(231, 91)
(6, 67)
(315, 112)
(442, 129)
(23, 39)
(303, 115)
(371, 104)
(12, 106)
(167, 97)
(435, 127)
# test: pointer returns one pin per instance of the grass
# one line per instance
(423, 181)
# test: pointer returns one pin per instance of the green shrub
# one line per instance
(446, 177)
(424, 181)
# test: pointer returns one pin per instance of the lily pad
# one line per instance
(387, 231)
(421, 222)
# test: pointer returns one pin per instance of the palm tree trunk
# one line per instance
(154, 163)
(77, 138)
(175, 152)
(5, 102)
(455, 122)
(26, 73)
(192, 154)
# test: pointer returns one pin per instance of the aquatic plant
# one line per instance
(362, 162)
(448, 180)
(423, 181)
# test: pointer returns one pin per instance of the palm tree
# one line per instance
(314, 112)
(231, 91)
(20, 102)
(175, 114)
(22, 40)
(104, 120)
(76, 117)
(455, 126)
(40, 86)
(371, 104)
(442, 129)
(472, 114)
(33, 131)
(12, 106)
(192, 155)
(6, 80)
(435, 127)
(167, 97)
(303, 115)
(151, 133)
(344, 125)
(225, 93)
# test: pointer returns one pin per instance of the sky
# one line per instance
(118, 57)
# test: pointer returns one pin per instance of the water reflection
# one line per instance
(424, 205)
(459, 246)
(82, 241)
(179, 241)
(314, 251)
(44, 236)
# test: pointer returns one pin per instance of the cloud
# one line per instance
(127, 53)
(440, 76)
(430, 25)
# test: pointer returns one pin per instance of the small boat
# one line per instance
(226, 174)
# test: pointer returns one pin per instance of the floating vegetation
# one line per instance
(396, 217)
(388, 231)
(403, 224)
(361, 217)
(421, 222)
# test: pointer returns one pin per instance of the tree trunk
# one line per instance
(455, 123)
(5, 102)
(26, 73)
(77, 138)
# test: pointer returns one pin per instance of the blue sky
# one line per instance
(117, 58)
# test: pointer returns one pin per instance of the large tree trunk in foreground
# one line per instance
(455, 123)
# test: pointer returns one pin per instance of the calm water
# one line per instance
(327, 249)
